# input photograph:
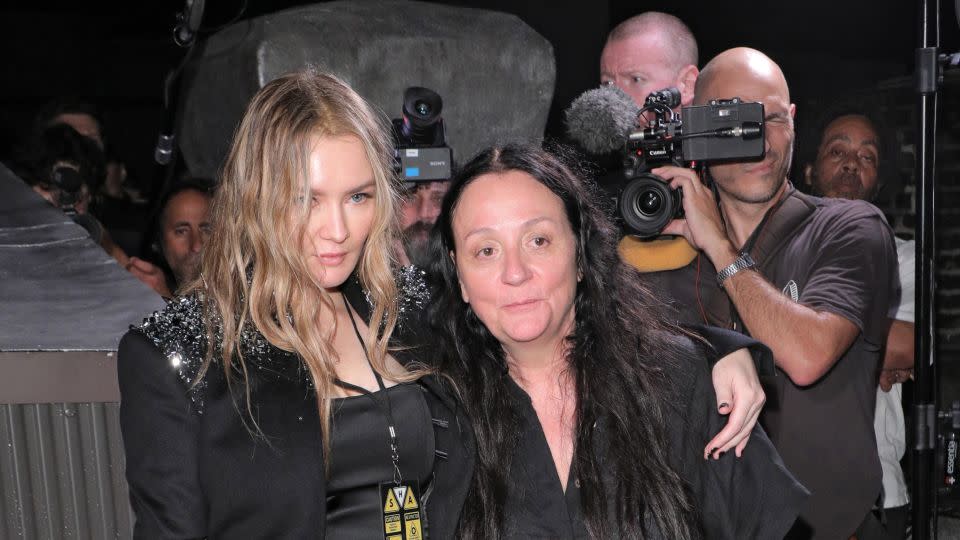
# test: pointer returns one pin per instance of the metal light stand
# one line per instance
(923, 469)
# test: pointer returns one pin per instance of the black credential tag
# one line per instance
(403, 517)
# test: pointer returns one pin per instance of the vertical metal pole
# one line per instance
(924, 466)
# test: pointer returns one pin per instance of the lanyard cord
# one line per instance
(386, 408)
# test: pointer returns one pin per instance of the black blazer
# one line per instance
(196, 470)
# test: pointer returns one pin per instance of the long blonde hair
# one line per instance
(252, 268)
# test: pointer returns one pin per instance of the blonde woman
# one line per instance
(269, 401)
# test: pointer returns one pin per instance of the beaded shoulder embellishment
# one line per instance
(413, 292)
(177, 331)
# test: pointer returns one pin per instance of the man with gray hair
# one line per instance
(650, 52)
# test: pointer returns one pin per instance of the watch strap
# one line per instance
(743, 262)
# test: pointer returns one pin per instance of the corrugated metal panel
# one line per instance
(61, 472)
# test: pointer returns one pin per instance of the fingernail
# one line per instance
(722, 405)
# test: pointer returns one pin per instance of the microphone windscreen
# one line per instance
(601, 119)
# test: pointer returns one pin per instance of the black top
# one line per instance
(360, 457)
(195, 469)
(754, 496)
(537, 506)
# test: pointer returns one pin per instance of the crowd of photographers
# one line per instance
(808, 266)
(814, 277)
(68, 160)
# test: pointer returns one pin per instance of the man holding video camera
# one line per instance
(424, 162)
(812, 278)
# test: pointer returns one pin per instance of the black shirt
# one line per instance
(538, 507)
(738, 498)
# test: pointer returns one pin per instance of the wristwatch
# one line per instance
(743, 262)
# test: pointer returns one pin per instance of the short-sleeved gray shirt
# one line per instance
(836, 256)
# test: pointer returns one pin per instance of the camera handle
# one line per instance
(707, 180)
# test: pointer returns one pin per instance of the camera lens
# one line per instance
(421, 123)
(649, 202)
(423, 108)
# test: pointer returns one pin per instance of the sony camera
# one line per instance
(723, 130)
(421, 151)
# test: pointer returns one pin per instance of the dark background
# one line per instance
(118, 54)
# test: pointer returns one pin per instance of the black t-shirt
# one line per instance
(835, 256)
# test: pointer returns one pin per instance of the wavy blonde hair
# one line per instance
(253, 271)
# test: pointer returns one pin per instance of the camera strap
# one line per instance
(780, 223)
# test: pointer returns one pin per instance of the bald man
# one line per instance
(814, 279)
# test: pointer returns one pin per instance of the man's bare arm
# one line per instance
(805, 342)
(899, 355)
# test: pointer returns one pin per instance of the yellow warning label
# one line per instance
(395, 537)
(391, 505)
(412, 522)
(392, 524)
(410, 502)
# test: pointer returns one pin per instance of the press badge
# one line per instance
(403, 517)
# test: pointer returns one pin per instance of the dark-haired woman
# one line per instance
(590, 413)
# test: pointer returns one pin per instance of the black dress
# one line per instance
(196, 469)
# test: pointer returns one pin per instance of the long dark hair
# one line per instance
(618, 355)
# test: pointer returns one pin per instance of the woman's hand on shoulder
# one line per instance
(740, 397)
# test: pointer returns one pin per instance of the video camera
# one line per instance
(68, 187)
(723, 130)
(421, 152)
(67, 184)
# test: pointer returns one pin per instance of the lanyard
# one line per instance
(382, 402)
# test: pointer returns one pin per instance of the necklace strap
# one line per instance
(382, 401)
